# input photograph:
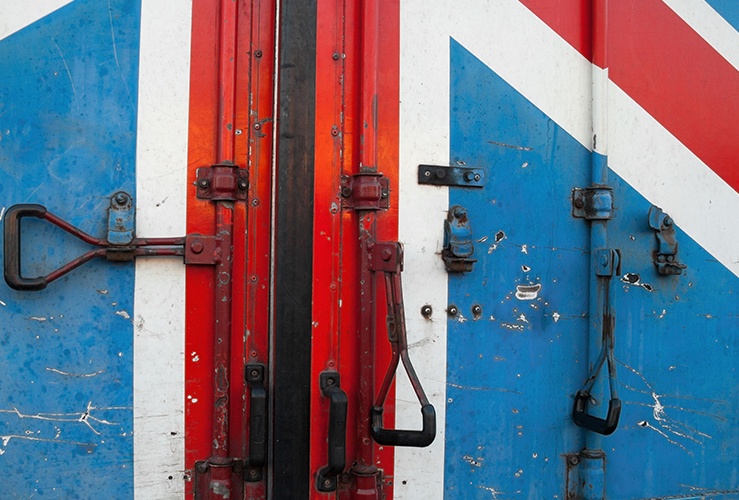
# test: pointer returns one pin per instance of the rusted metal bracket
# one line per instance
(202, 250)
(607, 262)
(592, 203)
(442, 175)
(222, 182)
(665, 258)
(365, 191)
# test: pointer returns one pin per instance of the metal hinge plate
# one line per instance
(592, 203)
(442, 175)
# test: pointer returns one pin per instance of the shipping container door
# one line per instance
(603, 135)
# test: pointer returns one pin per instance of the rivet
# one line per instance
(257, 126)
(335, 56)
(427, 311)
(254, 202)
(257, 54)
(452, 311)
(386, 254)
(243, 184)
(476, 310)
(203, 183)
(334, 131)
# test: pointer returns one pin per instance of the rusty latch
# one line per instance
(664, 230)
(222, 182)
(366, 191)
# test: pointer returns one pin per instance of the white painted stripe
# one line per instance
(710, 25)
(670, 176)
(424, 138)
(159, 304)
(524, 51)
(17, 15)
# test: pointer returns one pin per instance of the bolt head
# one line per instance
(197, 246)
(579, 203)
(440, 173)
(573, 460)
(386, 254)
(668, 221)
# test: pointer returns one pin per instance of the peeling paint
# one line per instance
(635, 280)
(37, 318)
(556, 316)
(123, 314)
(527, 292)
(477, 462)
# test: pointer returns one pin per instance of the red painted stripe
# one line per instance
(669, 70)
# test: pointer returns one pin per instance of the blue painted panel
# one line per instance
(729, 10)
(677, 348)
(68, 93)
(513, 372)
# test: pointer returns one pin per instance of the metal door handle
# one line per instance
(397, 437)
(257, 421)
(338, 401)
(388, 258)
(603, 426)
(116, 252)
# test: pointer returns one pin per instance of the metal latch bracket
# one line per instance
(665, 258)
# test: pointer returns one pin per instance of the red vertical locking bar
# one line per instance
(365, 470)
(220, 485)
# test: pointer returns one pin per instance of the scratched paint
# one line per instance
(68, 92)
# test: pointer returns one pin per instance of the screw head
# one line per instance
(334, 131)
(573, 459)
(257, 54)
(346, 191)
(427, 174)
(203, 183)
(254, 373)
(121, 199)
(579, 203)
(243, 184)
(257, 126)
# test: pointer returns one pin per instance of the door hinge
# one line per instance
(365, 191)
(592, 203)
(222, 182)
